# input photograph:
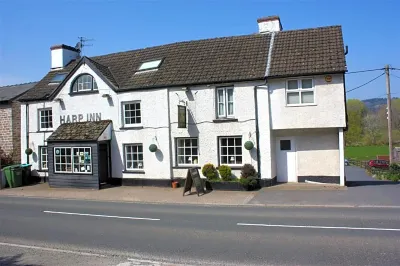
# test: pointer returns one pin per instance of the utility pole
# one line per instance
(389, 113)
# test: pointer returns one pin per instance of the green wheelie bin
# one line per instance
(13, 175)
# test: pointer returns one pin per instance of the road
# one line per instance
(70, 232)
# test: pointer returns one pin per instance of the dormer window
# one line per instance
(150, 65)
(84, 83)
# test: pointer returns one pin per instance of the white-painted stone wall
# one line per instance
(159, 110)
(328, 110)
(154, 108)
(201, 106)
(317, 151)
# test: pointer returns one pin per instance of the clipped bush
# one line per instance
(249, 183)
(209, 171)
(225, 172)
(248, 170)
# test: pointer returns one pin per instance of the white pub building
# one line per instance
(143, 117)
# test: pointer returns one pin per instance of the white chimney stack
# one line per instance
(269, 24)
(62, 54)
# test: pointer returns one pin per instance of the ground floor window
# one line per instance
(43, 158)
(73, 160)
(230, 150)
(187, 151)
(133, 156)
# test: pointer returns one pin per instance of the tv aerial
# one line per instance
(83, 42)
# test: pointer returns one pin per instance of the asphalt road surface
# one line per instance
(70, 232)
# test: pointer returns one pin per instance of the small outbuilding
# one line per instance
(79, 154)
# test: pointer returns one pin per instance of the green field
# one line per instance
(365, 152)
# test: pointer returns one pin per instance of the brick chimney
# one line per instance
(62, 54)
(269, 24)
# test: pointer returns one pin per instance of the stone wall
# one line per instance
(16, 130)
(6, 144)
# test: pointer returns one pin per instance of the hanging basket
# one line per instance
(153, 148)
(28, 151)
(248, 145)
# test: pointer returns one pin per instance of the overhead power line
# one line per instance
(366, 83)
(367, 70)
(395, 76)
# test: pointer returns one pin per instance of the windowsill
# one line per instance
(133, 172)
(42, 170)
(233, 167)
(71, 173)
(131, 127)
(187, 166)
(45, 130)
(84, 92)
(301, 104)
(225, 120)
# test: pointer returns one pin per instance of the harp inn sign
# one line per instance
(80, 118)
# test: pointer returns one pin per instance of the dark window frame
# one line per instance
(40, 158)
(177, 164)
(40, 128)
(125, 157)
(219, 150)
(94, 86)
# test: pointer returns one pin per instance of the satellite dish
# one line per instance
(78, 46)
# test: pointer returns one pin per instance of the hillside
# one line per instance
(375, 104)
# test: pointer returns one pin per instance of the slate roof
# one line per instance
(11, 92)
(218, 60)
(43, 89)
(80, 131)
(309, 51)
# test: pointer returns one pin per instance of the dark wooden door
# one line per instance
(103, 163)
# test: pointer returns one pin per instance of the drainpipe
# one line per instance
(27, 129)
(257, 131)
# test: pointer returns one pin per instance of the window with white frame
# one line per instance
(187, 151)
(43, 158)
(300, 91)
(133, 156)
(225, 102)
(131, 113)
(84, 82)
(73, 160)
(45, 119)
(230, 150)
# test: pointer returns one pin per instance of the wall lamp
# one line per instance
(59, 100)
(106, 95)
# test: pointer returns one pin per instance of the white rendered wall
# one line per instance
(328, 110)
(201, 105)
(154, 108)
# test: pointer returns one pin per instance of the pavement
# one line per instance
(362, 191)
(75, 232)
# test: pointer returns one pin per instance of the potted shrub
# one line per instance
(225, 172)
(249, 177)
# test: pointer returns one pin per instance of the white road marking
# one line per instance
(323, 227)
(104, 216)
(52, 249)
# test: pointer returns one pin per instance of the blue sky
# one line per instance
(28, 28)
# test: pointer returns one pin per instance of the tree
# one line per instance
(356, 110)
(372, 128)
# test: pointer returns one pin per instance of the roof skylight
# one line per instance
(58, 78)
(150, 65)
